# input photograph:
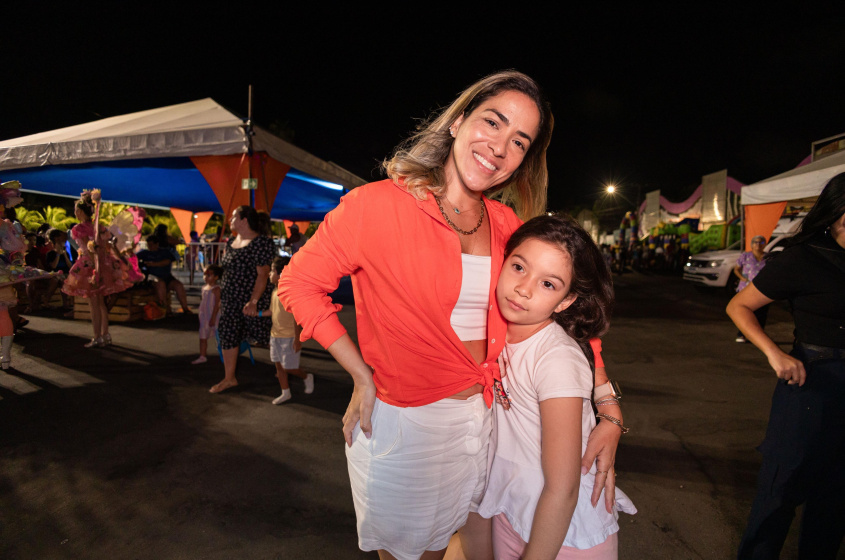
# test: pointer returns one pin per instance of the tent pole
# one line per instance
(249, 108)
(249, 143)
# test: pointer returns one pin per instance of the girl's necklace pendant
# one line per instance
(456, 210)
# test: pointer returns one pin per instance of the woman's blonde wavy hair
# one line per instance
(417, 163)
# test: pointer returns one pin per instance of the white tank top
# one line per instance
(469, 318)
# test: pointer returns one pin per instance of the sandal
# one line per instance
(95, 343)
(223, 386)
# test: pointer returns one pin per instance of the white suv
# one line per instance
(715, 268)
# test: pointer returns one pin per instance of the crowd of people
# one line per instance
(237, 304)
(663, 255)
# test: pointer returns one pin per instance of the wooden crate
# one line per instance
(128, 307)
(55, 301)
(41, 290)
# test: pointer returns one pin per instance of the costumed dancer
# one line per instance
(98, 272)
(12, 269)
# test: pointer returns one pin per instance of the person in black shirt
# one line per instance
(60, 259)
(157, 261)
(804, 448)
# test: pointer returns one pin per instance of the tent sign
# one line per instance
(249, 184)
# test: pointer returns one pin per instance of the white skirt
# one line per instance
(416, 480)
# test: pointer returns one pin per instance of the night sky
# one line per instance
(641, 95)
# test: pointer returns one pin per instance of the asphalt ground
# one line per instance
(121, 452)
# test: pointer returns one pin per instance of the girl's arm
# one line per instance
(216, 291)
(560, 419)
(741, 310)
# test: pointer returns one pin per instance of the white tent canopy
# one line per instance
(802, 182)
(196, 128)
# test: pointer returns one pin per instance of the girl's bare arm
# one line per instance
(561, 460)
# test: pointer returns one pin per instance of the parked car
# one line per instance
(715, 268)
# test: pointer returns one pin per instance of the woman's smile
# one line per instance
(491, 142)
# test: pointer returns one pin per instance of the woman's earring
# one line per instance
(452, 131)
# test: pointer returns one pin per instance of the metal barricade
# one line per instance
(200, 255)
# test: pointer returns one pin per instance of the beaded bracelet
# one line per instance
(613, 420)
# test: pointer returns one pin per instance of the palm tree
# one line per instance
(153, 221)
(57, 218)
(31, 220)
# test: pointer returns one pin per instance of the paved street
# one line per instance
(122, 453)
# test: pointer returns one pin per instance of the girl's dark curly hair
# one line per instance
(589, 315)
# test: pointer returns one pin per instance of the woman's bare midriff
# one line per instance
(478, 350)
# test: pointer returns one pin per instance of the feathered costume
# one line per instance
(126, 232)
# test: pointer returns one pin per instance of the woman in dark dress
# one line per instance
(245, 290)
(804, 448)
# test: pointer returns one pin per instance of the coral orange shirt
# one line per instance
(405, 264)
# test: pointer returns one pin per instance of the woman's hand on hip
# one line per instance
(601, 448)
(360, 409)
(788, 368)
(363, 398)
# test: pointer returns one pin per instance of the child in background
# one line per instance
(285, 346)
(556, 294)
(209, 309)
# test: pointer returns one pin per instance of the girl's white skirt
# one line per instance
(421, 473)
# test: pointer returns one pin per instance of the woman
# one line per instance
(97, 272)
(424, 249)
(804, 448)
(244, 290)
(748, 265)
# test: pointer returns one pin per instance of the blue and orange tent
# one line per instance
(190, 158)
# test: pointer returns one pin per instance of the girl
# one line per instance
(209, 308)
(556, 294)
(97, 272)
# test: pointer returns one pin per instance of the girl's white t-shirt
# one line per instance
(549, 364)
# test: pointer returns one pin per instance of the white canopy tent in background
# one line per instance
(190, 158)
(765, 201)
(196, 128)
(802, 182)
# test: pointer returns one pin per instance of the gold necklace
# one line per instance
(453, 226)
